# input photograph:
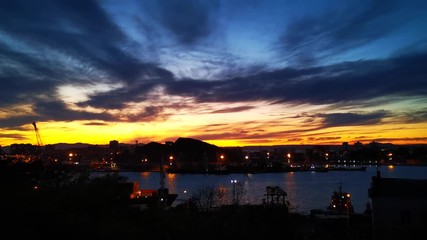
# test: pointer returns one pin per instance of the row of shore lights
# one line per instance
(222, 157)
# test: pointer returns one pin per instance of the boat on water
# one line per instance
(152, 197)
(340, 202)
(319, 168)
(157, 198)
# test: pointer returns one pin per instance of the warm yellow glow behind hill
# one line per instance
(264, 132)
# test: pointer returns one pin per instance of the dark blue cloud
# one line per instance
(81, 29)
(78, 30)
(415, 116)
(353, 119)
(117, 99)
(312, 39)
(190, 21)
(345, 82)
(54, 110)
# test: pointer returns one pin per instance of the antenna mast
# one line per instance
(39, 139)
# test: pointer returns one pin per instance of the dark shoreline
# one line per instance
(245, 171)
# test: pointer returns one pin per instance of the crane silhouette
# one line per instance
(39, 139)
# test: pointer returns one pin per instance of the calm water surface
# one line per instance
(306, 190)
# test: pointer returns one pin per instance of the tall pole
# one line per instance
(162, 174)
(162, 191)
(234, 193)
(206, 161)
(348, 223)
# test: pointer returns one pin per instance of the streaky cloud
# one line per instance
(233, 109)
(415, 116)
(353, 82)
(353, 119)
(312, 39)
(95, 124)
(13, 136)
(403, 139)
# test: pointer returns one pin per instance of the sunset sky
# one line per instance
(228, 72)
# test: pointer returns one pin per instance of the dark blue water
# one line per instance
(306, 190)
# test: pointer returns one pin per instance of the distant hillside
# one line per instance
(193, 150)
(64, 146)
(184, 150)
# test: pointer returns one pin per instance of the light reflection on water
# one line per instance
(306, 190)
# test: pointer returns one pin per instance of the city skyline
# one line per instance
(230, 73)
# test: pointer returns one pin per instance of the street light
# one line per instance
(187, 200)
(219, 162)
(234, 181)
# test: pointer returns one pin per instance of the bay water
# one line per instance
(305, 190)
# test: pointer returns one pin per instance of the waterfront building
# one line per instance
(399, 208)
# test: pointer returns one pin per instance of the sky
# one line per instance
(228, 72)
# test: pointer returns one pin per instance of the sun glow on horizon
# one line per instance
(256, 123)
(221, 129)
